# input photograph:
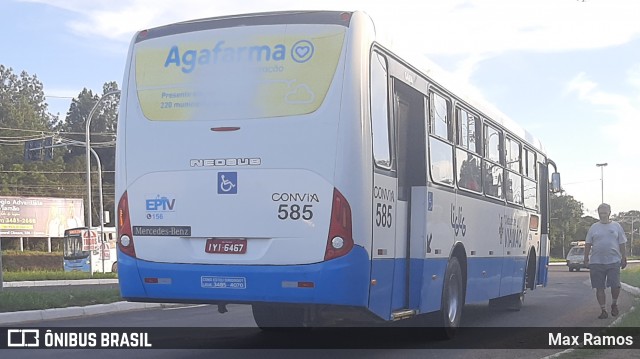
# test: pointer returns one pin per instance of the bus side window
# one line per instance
(530, 187)
(439, 123)
(513, 166)
(440, 140)
(380, 128)
(492, 172)
(468, 163)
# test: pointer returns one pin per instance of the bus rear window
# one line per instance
(236, 73)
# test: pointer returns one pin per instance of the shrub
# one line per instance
(15, 261)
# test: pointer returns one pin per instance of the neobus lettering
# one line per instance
(384, 194)
(192, 57)
(219, 162)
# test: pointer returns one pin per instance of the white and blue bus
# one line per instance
(289, 161)
(84, 250)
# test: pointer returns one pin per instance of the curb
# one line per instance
(71, 312)
(48, 283)
(631, 289)
(564, 263)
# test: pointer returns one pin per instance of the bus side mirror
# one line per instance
(555, 182)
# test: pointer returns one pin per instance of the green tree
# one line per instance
(583, 227)
(565, 214)
(23, 116)
(630, 222)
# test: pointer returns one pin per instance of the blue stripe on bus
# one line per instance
(389, 292)
(431, 293)
(490, 278)
(487, 278)
(343, 281)
(543, 270)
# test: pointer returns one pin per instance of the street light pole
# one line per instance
(602, 166)
(88, 148)
(631, 243)
(88, 157)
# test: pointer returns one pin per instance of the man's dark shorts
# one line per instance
(600, 273)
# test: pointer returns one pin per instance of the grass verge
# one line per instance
(631, 276)
(13, 301)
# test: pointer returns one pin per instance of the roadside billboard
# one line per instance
(39, 216)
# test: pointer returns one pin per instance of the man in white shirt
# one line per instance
(606, 241)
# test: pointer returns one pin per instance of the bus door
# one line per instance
(405, 156)
(385, 189)
(409, 118)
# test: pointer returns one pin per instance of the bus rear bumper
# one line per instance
(341, 281)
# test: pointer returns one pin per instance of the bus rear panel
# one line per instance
(226, 163)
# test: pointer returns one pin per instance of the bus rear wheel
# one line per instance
(452, 299)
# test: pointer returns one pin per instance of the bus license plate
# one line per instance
(226, 246)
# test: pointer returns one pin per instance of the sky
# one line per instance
(568, 71)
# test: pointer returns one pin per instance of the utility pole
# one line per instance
(631, 243)
(602, 166)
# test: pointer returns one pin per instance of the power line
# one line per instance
(64, 97)
(61, 185)
(54, 172)
(21, 141)
(51, 133)
(579, 182)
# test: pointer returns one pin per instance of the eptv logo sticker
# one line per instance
(162, 204)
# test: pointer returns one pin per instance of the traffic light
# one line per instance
(33, 150)
(48, 148)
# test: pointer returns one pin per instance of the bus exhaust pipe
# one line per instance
(222, 308)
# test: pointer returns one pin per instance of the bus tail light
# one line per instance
(125, 236)
(340, 240)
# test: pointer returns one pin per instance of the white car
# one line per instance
(575, 258)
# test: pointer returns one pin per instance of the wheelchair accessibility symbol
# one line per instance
(227, 182)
